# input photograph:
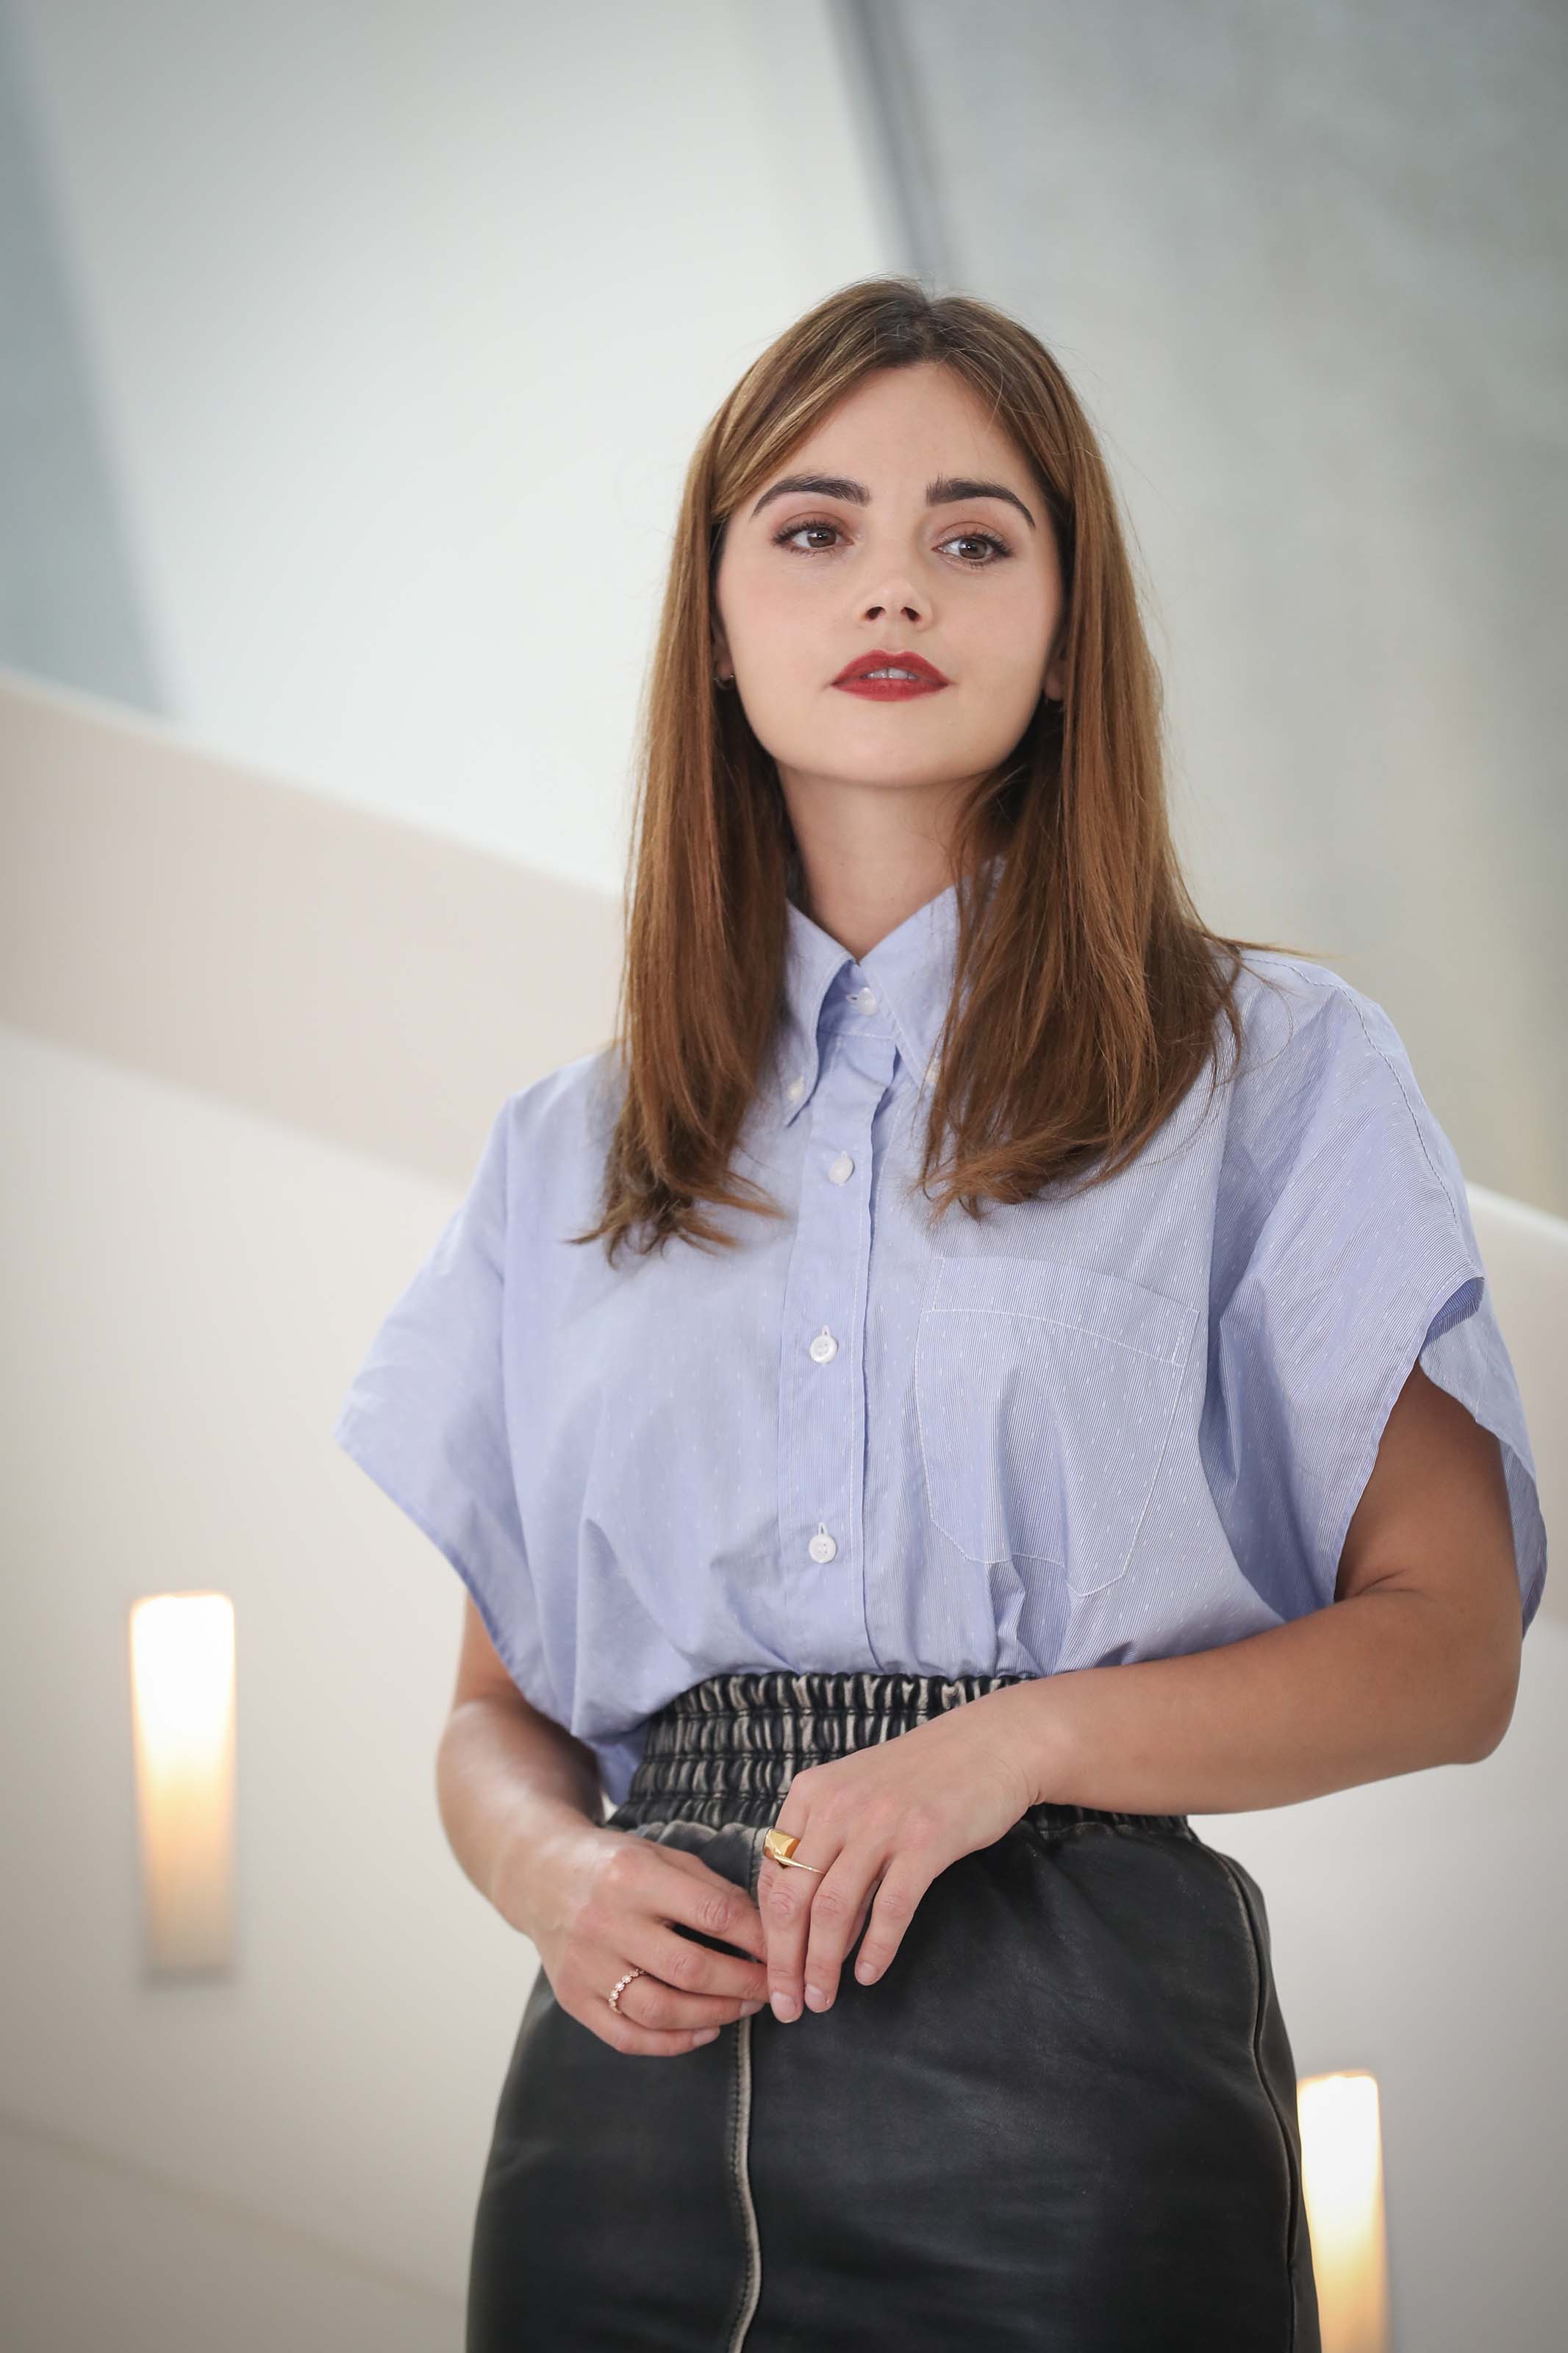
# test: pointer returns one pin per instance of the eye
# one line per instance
(795, 531)
(979, 539)
(999, 549)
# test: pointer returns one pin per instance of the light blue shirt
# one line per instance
(1119, 1427)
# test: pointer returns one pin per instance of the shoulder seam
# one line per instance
(1337, 985)
(1439, 1178)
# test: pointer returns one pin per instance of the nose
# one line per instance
(902, 599)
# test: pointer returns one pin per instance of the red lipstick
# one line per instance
(918, 677)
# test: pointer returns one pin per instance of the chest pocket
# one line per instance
(1044, 1394)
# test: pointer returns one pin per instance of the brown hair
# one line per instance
(1085, 992)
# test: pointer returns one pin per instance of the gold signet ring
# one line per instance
(781, 1845)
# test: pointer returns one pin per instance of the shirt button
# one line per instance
(795, 1089)
(822, 1547)
(867, 1000)
(824, 1347)
(842, 1169)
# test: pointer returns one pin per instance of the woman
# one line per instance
(904, 1565)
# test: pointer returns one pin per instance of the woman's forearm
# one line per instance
(1389, 1680)
(509, 1782)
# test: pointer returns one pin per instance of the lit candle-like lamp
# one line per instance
(1341, 2169)
(181, 1677)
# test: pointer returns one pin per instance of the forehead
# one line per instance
(921, 419)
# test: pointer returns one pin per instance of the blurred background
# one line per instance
(350, 358)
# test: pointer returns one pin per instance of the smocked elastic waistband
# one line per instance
(741, 1738)
(830, 1709)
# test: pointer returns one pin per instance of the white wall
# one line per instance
(404, 321)
(290, 2157)
(1306, 268)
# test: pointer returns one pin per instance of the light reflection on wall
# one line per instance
(181, 1677)
(1341, 2166)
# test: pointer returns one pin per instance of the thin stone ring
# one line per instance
(614, 1995)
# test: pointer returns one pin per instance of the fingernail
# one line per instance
(816, 1997)
(750, 2009)
(785, 2008)
(708, 2034)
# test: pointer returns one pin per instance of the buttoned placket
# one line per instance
(822, 1396)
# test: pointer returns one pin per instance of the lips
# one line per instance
(907, 673)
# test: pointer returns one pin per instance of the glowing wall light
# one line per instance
(182, 1678)
(1341, 2169)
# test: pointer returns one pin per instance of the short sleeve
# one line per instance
(425, 1417)
(1344, 1251)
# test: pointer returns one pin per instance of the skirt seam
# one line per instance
(739, 2152)
(1260, 1978)
(741, 2187)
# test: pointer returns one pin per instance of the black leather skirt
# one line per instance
(1064, 2118)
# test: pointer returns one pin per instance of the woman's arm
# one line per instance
(1415, 1664)
(509, 1781)
(522, 1808)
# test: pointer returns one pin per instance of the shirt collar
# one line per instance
(909, 974)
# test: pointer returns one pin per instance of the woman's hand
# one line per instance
(594, 1901)
(881, 1822)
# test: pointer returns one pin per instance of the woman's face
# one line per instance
(889, 530)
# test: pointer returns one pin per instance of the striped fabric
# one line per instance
(1076, 1431)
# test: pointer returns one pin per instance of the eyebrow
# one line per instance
(947, 490)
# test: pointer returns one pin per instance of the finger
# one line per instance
(623, 2034)
(645, 1885)
(903, 1884)
(649, 2002)
(693, 1969)
(703, 1898)
(784, 1897)
(837, 1910)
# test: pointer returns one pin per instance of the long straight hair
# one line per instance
(1086, 988)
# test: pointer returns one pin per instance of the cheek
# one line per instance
(781, 644)
(1018, 627)
(1007, 654)
(778, 608)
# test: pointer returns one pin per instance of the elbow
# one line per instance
(1485, 1714)
(1485, 1736)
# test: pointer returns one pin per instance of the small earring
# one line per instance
(720, 680)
